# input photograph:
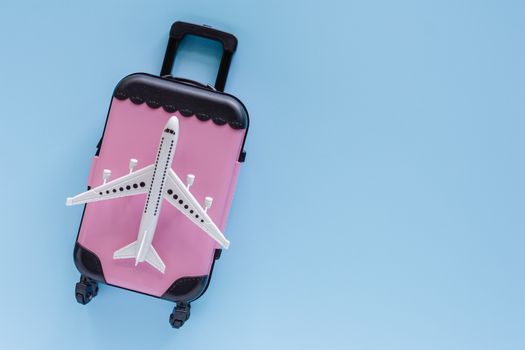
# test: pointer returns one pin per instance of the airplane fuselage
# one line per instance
(151, 212)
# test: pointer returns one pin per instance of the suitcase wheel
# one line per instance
(180, 314)
(85, 290)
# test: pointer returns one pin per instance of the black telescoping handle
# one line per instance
(181, 29)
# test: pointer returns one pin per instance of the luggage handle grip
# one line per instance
(180, 29)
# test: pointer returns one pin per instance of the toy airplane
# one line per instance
(160, 182)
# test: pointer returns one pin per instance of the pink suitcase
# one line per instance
(212, 129)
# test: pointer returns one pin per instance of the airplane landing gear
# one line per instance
(180, 314)
(85, 290)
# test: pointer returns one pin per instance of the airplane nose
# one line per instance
(173, 123)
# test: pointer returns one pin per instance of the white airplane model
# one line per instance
(160, 182)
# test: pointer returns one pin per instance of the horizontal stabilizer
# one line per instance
(154, 259)
(127, 252)
(131, 252)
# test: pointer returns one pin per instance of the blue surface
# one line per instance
(381, 205)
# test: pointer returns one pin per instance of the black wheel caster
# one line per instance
(85, 290)
(180, 314)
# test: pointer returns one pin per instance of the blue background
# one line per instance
(381, 205)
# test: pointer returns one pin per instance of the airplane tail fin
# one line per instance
(131, 252)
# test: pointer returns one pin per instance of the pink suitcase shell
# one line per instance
(212, 131)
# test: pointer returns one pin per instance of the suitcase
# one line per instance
(209, 128)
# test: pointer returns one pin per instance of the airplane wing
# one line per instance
(134, 183)
(181, 198)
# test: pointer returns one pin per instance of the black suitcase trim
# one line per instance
(88, 263)
(185, 289)
(188, 99)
